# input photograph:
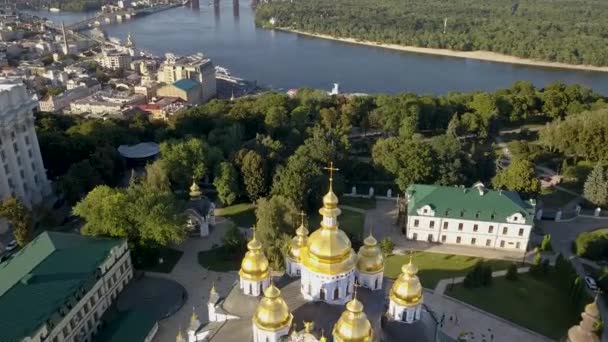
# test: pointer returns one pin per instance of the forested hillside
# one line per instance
(568, 31)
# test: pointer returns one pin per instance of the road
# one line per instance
(562, 236)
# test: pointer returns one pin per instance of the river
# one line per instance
(284, 60)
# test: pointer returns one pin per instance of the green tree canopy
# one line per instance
(20, 218)
(275, 226)
(140, 213)
(520, 177)
(187, 159)
(411, 161)
(226, 183)
(596, 186)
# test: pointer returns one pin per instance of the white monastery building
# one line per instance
(475, 216)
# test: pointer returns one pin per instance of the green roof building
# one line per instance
(58, 286)
(476, 216)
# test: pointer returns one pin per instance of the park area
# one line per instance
(435, 266)
(534, 303)
(243, 215)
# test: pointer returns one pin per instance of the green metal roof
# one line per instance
(42, 277)
(186, 84)
(477, 203)
(129, 326)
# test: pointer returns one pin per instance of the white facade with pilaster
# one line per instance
(402, 313)
(475, 217)
(22, 172)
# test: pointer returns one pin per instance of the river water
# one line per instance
(284, 60)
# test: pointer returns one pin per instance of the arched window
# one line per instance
(376, 284)
(336, 293)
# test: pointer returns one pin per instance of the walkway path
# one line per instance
(443, 284)
(196, 280)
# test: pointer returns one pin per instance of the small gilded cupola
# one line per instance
(293, 260)
(405, 297)
(272, 319)
(353, 325)
(370, 264)
(254, 274)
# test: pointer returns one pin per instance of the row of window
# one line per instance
(459, 240)
(88, 306)
(505, 230)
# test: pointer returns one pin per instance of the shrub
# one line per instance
(387, 246)
(545, 246)
(512, 272)
(480, 275)
(234, 240)
(592, 245)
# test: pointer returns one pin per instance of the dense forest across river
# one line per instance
(566, 31)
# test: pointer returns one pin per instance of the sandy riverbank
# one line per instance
(479, 55)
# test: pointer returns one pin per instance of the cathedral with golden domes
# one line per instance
(329, 293)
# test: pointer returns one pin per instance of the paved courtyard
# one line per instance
(196, 280)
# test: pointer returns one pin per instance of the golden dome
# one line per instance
(353, 325)
(407, 290)
(254, 266)
(272, 313)
(297, 243)
(370, 258)
(328, 251)
(330, 200)
(195, 190)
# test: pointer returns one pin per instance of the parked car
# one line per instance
(11, 246)
(591, 284)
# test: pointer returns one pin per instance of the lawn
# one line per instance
(359, 202)
(530, 302)
(435, 266)
(220, 259)
(169, 256)
(555, 199)
(243, 214)
(350, 221)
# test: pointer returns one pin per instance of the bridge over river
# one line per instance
(118, 16)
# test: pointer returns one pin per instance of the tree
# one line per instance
(512, 272)
(387, 246)
(518, 176)
(275, 226)
(20, 218)
(253, 170)
(596, 186)
(80, 178)
(226, 183)
(411, 161)
(156, 176)
(187, 159)
(139, 213)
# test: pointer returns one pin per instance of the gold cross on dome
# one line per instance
(356, 285)
(331, 170)
(302, 215)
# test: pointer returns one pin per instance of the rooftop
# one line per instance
(186, 84)
(476, 203)
(43, 276)
(128, 326)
